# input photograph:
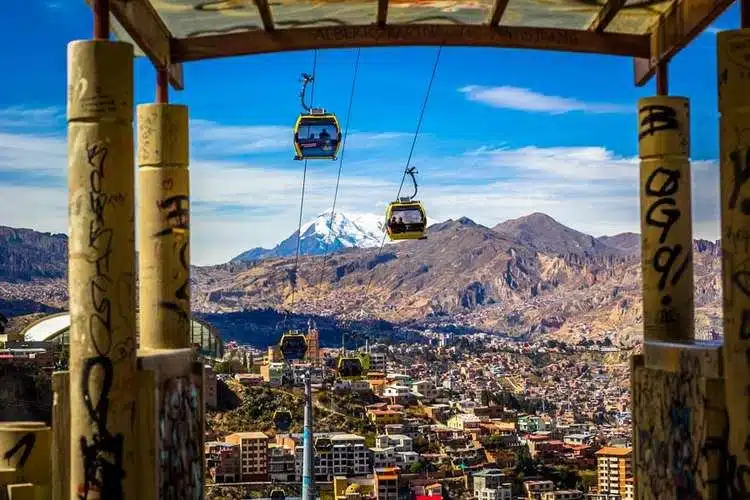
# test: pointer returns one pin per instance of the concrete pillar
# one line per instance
(733, 49)
(101, 270)
(25, 447)
(666, 232)
(164, 257)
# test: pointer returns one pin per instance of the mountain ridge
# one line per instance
(528, 277)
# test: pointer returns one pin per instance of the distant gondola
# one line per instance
(350, 368)
(282, 420)
(278, 494)
(293, 346)
(323, 444)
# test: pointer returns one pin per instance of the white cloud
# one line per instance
(213, 139)
(240, 204)
(714, 30)
(24, 117)
(527, 100)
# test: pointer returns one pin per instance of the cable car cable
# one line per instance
(408, 160)
(302, 197)
(341, 163)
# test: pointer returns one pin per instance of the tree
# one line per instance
(417, 467)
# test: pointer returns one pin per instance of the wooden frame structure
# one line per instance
(671, 32)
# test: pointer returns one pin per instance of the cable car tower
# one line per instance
(405, 218)
(317, 134)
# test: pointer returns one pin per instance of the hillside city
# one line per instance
(512, 385)
(447, 416)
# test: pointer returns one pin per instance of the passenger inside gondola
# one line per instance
(397, 225)
(317, 140)
(408, 221)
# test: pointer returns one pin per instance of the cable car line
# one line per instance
(408, 160)
(341, 164)
(307, 78)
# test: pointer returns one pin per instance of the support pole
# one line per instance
(733, 49)
(162, 86)
(662, 79)
(101, 270)
(164, 257)
(308, 457)
(666, 227)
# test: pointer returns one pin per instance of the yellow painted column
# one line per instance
(101, 270)
(733, 49)
(666, 229)
(25, 447)
(164, 226)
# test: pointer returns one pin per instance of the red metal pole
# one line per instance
(101, 19)
(162, 86)
(662, 80)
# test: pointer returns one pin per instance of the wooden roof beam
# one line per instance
(147, 30)
(332, 37)
(382, 12)
(265, 14)
(605, 15)
(676, 28)
(498, 11)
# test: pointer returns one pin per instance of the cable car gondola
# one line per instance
(350, 368)
(317, 134)
(277, 494)
(293, 345)
(406, 219)
(282, 420)
(323, 444)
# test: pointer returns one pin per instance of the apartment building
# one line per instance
(492, 484)
(386, 483)
(347, 456)
(222, 461)
(253, 454)
(399, 442)
(378, 362)
(562, 495)
(614, 467)
(280, 463)
(535, 489)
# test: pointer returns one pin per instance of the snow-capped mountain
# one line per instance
(323, 235)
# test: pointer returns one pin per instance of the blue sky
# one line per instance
(506, 133)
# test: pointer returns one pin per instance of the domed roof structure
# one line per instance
(56, 327)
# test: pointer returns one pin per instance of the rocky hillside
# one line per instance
(528, 276)
(26, 254)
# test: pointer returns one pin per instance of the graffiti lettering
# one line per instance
(102, 459)
(178, 220)
(100, 241)
(671, 215)
(658, 118)
(180, 440)
(178, 215)
(741, 167)
(27, 444)
(664, 214)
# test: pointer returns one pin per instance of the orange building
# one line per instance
(313, 344)
(615, 466)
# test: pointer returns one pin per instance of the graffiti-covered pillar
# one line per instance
(666, 232)
(734, 150)
(164, 225)
(101, 270)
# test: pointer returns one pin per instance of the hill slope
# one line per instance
(529, 276)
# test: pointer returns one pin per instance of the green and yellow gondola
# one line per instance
(405, 220)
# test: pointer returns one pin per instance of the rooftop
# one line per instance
(615, 451)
